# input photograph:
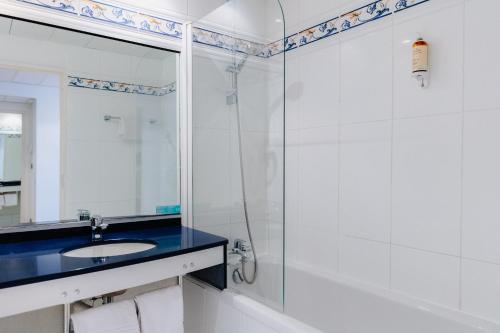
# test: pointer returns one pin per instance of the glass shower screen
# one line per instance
(238, 140)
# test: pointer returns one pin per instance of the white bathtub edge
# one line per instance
(267, 316)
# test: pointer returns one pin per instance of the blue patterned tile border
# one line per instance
(405, 4)
(116, 15)
(160, 26)
(130, 88)
(320, 31)
(113, 14)
(368, 13)
(223, 41)
(108, 13)
(354, 18)
(67, 6)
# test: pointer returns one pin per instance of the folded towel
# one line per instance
(10, 199)
(161, 311)
(120, 317)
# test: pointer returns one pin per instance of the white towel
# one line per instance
(161, 311)
(10, 199)
(120, 317)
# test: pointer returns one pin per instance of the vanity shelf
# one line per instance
(35, 274)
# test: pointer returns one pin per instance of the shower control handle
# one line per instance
(240, 245)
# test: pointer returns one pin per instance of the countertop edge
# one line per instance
(130, 262)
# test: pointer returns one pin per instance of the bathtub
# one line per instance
(210, 311)
(315, 303)
(339, 305)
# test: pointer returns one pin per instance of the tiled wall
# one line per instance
(394, 185)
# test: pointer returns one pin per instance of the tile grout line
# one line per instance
(339, 156)
(391, 167)
(462, 157)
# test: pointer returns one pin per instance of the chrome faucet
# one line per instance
(98, 226)
(240, 247)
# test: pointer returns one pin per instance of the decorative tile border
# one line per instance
(405, 4)
(113, 14)
(130, 88)
(222, 41)
(108, 13)
(160, 26)
(354, 18)
(67, 6)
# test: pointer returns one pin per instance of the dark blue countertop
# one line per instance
(37, 260)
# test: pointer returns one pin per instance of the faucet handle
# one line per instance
(96, 221)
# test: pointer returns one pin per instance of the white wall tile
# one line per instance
(365, 260)
(84, 113)
(199, 8)
(316, 11)
(365, 180)
(481, 229)
(426, 183)
(426, 275)
(443, 31)
(161, 6)
(209, 91)
(480, 289)
(292, 197)
(82, 175)
(293, 92)
(482, 68)
(318, 177)
(211, 180)
(313, 242)
(320, 88)
(366, 77)
(117, 167)
(291, 10)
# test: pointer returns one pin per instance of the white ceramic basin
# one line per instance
(109, 249)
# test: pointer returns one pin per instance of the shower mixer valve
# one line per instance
(240, 247)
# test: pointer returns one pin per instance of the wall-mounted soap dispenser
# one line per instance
(420, 62)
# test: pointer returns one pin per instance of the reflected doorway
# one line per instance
(17, 178)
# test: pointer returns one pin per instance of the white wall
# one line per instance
(389, 184)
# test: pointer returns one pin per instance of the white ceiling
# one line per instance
(12, 75)
(40, 32)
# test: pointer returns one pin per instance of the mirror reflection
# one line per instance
(88, 126)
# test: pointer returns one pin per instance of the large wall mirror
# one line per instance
(87, 123)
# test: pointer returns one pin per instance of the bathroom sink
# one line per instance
(109, 249)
